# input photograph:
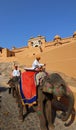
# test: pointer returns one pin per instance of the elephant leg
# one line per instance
(14, 92)
(50, 114)
(18, 98)
(40, 110)
(9, 90)
(20, 106)
(20, 111)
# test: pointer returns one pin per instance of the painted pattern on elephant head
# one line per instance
(55, 90)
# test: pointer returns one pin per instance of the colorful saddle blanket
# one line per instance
(28, 87)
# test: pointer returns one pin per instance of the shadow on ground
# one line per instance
(3, 89)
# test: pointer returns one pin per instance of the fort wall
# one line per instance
(37, 45)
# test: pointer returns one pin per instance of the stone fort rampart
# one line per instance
(37, 45)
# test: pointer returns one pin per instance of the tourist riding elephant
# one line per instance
(50, 90)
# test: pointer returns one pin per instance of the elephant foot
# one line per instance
(21, 118)
(17, 102)
(51, 127)
(14, 94)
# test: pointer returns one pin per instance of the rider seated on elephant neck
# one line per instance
(37, 65)
(16, 71)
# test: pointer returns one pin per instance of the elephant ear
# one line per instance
(47, 88)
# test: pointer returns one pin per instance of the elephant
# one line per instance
(51, 90)
(53, 84)
(13, 85)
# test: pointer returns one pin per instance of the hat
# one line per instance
(38, 57)
(16, 66)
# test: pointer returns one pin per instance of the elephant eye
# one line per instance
(62, 86)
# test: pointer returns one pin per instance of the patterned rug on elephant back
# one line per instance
(28, 87)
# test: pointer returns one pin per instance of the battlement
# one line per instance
(37, 45)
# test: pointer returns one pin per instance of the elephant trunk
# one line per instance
(70, 98)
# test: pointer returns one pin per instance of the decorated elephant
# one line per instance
(51, 90)
(54, 85)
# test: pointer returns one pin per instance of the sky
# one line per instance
(22, 19)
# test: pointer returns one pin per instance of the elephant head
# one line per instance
(13, 81)
(54, 84)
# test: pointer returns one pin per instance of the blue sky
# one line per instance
(22, 19)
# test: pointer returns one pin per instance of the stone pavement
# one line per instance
(9, 116)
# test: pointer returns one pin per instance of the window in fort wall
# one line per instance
(36, 43)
